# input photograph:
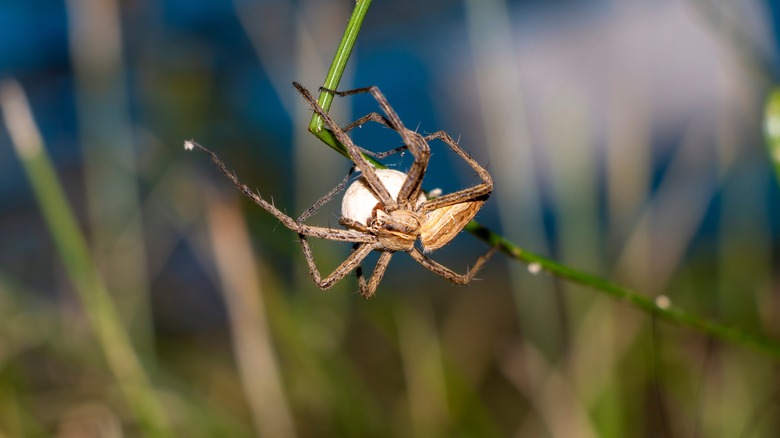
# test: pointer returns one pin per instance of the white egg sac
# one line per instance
(359, 201)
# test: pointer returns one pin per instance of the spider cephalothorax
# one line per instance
(385, 210)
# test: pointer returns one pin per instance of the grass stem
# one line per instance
(74, 252)
(333, 78)
(660, 306)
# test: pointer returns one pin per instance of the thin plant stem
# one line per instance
(660, 306)
(74, 252)
(332, 80)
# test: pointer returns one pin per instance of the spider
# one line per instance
(384, 210)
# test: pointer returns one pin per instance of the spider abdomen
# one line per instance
(442, 225)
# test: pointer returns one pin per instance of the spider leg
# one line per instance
(421, 153)
(354, 225)
(413, 141)
(352, 262)
(325, 199)
(392, 118)
(367, 288)
(380, 155)
(449, 274)
(287, 221)
(370, 117)
(360, 161)
(472, 193)
(340, 187)
(378, 118)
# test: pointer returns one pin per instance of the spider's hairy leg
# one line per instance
(327, 197)
(470, 194)
(287, 221)
(449, 274)
(341, 271)
(392, 118)
(413, 141)
(354, 152)
(354, 225)
(373, 117)
(370, 117)
(367, 288)
(381, 155)
(421, 153)
(340, 187)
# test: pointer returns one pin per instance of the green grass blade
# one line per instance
(336, 70)
(332, 80)
(772, 129)
(75, 254)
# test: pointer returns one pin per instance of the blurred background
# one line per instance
(624, 139)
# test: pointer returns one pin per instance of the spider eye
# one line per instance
(391, 227)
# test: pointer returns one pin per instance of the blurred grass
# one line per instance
(511, 355)
(772, 129)
(74, 252)
(107, 142)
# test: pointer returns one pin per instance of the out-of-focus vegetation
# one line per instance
(624, 140)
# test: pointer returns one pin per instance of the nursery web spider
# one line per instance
(385, 210)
